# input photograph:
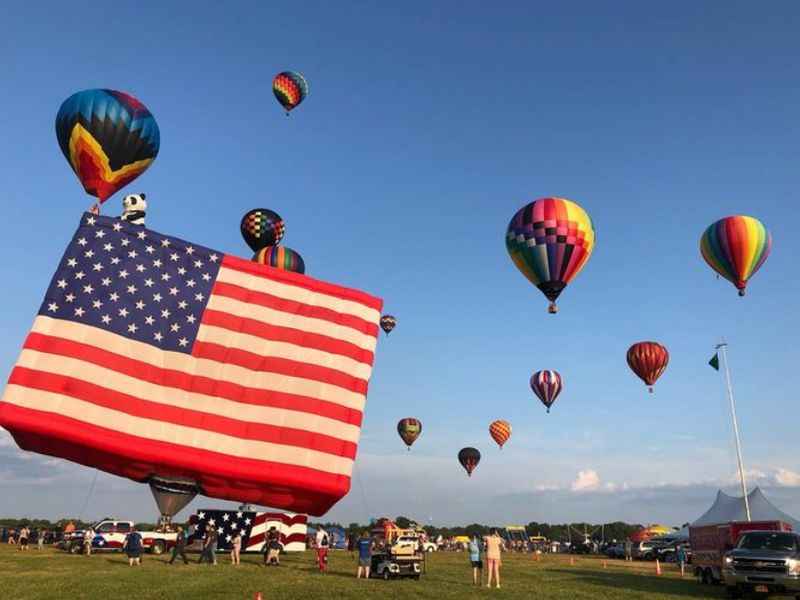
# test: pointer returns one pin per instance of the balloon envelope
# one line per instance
(500, 431)
(108, 137)
(550, 240)
(409, 430)
(648, 360)
(469, 459)
(547, 385)
(388, 322)
(281, 257)
(262, 227)
(736, 247)
(290, 89)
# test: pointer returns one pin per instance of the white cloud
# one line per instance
(787, 478)
(585, 481)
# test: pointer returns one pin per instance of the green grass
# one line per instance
(53, 574)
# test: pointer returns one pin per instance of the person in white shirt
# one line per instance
(88, 536)
(321, 534)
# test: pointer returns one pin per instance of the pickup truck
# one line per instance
(109, 535)
(763, 562)
(413, 540)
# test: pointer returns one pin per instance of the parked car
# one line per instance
(616, 551)
(646, 550)
(763, 562)
(667, 553)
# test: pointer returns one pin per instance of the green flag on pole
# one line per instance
(714, 362)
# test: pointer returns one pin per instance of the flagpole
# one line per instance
(723, 346)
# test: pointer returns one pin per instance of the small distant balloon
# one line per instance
(469, 459)
(290, 89)
(409, 430)
(547, 385)
(648, 360)
(262, 227)
(500, 431)
(388, 322)
(281, 257)
(108, 137)
(736, 247)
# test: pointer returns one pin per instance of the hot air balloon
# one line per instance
(281, 257)
(108, 137)
(500, 431)
(648, 360)
(550, 241)
(469, 459)
(409, 429)
(736, 247)
(290, 88)
(547, 386)
(262, 227)
(388, 322)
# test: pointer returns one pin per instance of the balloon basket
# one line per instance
(552, 309)
(650, 389)
(741, 292)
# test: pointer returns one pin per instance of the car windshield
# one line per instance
(768, 541)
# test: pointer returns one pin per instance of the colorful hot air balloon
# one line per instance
(736, 247)
(469, 459)
(547, 386)
(388, 322)
(290, 88)
(262, 227)
(550, 241)
(648, 360)
(409, 429)
(500, 431)
(108, 137)
(281, 257)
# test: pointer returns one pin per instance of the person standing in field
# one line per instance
(474, 549)
(23, 537)
(133, 548)
(680, 558)
(88, 536)
(364, 546)
(179, 549)
(322, 553)
(236, 548)
(493, 545)
(272, 548)
(628, 549)
(40, 535)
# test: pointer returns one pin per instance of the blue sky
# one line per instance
(426, 128)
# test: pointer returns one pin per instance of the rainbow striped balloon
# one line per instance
(281, 257)
(736, 247)
(550, 240)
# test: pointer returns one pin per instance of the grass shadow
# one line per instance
(688, 588)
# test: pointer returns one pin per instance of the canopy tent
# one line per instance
(731, 508)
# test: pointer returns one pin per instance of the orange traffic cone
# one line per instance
(658, 567)
(258, 596)
(571, 561)
(536, 556)
(605, 565)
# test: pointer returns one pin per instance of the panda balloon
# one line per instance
(134, 207)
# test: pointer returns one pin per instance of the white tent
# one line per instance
(731, 508)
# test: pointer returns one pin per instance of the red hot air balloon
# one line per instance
(547, 385)
(648, 360)
(469, 459)
(500, 431)
(409, 430)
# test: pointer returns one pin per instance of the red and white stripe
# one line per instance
(267, 409)
(293, 530)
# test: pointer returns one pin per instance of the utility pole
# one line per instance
(723, 347)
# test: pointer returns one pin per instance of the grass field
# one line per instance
(53, 574)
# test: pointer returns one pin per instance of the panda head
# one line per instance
(134, 202)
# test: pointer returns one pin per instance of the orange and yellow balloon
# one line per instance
(500, 431)
(736, 247)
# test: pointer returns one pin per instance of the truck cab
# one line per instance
(763, 562)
